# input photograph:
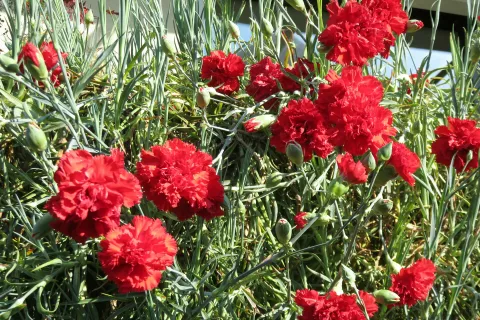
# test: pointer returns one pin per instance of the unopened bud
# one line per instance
(259, 122)
(337, 189)
(349, 275)
(414, 25)
(274, 179)
(36, 137)
(89, 18)
(396, 267)
(385, 152)
(203, 98)
(324, 219)
(382, 207)
(267, 28)
(234, 29)
(9, 64)
(33, 60)
(42, 226)
(283, 230)
(298, 5)
(469, 155)
(386, 297)
(167, 46)
(386, 174)
(295, 153)
(368, 161)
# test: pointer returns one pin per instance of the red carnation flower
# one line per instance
(50, 56)
(405, 162)
(456, 140)
(354, 34)
(300, 220)
(180, 179)
(301, 122)
(223, 71)
(134, 255)
(333, 305)
(350, 104)
(263, 81)
(92, 191)
(412, 284)
(351, 171)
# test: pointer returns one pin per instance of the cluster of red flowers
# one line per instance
(456, 141)
(360, 31)
(411, 284)
(32, 54)
(333, 305)
(223, 71)
(179, 178)
(267, 78)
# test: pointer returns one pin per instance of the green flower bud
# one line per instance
(203, 98)
(9, 64)
(337, 189)
(42, 226)
(349, 275)
(234, 29)
(368, 161)
(241, 208)
(386, 174)
(386, 297)
(469, 156)
(274, 179)
(167, 46)
(259, 122)
(414, 25)
(382, 207)
(385, 152)
(324, 219)
(34, 62)
(89, 18)
(298, 5)
(283, 230)
(267, 28)
(36, 137)
(295, 153)
(396, 267)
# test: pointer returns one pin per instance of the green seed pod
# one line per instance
(382, 207)
(274, 179)
(385, 152)
(336, 189)
(386, 174)
(9, 64)
(234, 29)
(298, 5)
(295, 153)
(89, 18)
(386, 296)
(368, 161)
(36, 137)
(283, 230)
(203, 98)
(167, 46)
(42, 226)
(267, 28)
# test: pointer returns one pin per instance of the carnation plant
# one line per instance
(217, 177)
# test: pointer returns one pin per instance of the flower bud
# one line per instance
(167, 46)
(259, 122)
(469, 156)
(386, 174)
(368, 161)
(267, 28)
(396, 267)
(34, 62)
(417, 127)
(323, 48)
(241, 208)
(89, 18)
(414, 25)
(9, 64)
(337, 189)
(298, 5)
(274, 179)
(234, 29)
(36, 137)
(385, 152)
(42, 226)
(382, 206)
(386, 297)
(203, 98)
(324, 219)
(283, 230)
(295, 153)
(349, 275)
